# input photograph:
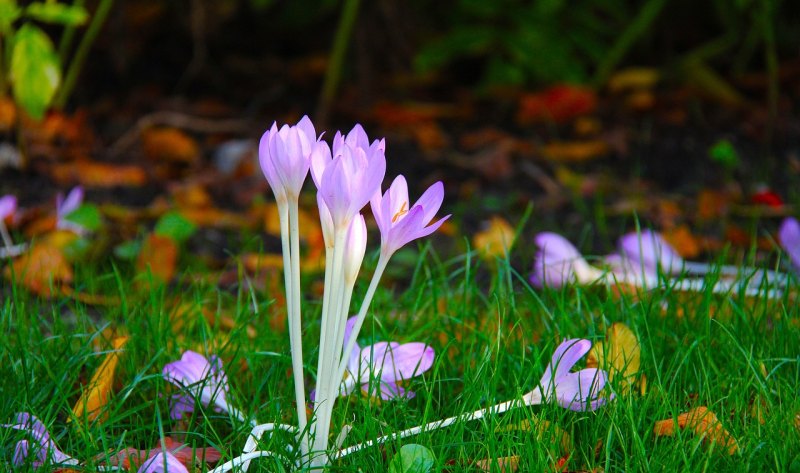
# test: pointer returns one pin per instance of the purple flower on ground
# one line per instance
(42, 446)
(400, 222)
(789, 236)
(388, 363)
(65, 206)
(347, 178)
(203, 381)
(162, 462)
(649, 251)
(558, 262)
(577, 391)
(8, 206)
(285, 156)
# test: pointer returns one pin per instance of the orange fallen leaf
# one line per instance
(95, 174)
(704, 423)
(160, 255)
(495, 240)
(558, 104)
(170, 144)
(8, 114)
(574, 151)
(42, 270)
(502, 464)
(712, 204)
(96, 395)
(684, 242)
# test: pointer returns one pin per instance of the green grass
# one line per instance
(493, 335)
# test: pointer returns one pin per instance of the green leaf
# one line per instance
(725, 154)
(128, 250)
(9, 12)
(176, 226)
(412, 458)
(87, 216)
(59, 13)
(35, 70)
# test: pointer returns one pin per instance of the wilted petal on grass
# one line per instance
(399, 221)
(42, 446)
(577, 391)
(205, 381)
(649, 251)
(558, 262)
(162, 462)
(387, 363)
(789, 236)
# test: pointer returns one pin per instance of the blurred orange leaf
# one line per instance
(558, 104)
(712, 204)
(685, 243)
(494, 240)
(95, 174)
(42, 269)
(633, 78)
(95, 397)
(574, 151)
(160, 255)
(169, 144)
(8, 114)
(704, 423)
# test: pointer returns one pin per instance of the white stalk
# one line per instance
(13, 251)
(241, 460)
(295, 331)
(7, 241)
(757, 274)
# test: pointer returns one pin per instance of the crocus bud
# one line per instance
(649, 250)
(789, 236)
(558, 262)
(285, 156)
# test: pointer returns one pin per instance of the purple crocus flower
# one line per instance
(65, 206)
(162, 462)
(577, 391)
(651, 252)
(401, 223)
(386, 362)
(789, 236)
(203, 380)
(558, 262)
(285, 156)
(8, 206)
(348, 178)
(42, 445)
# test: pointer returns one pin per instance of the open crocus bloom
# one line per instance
(577, 391)
(42, 445)
(789, 236)
(401, 223)
(385, 362)
(162, 462)
(285, 156)
(558, 262)
(8, 206)
(649, 251)
(203, 380)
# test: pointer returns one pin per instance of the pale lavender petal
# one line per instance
(181, 404)
(8, 205)
(307, 127)
(163, 462)
(66, 206)
(575, 391)
(406, 361)
(266, 162)
(202, 379)
(566, 355)
(390, 391)
(320, 159)
(789, 236)
(431, 200)
(649, 249)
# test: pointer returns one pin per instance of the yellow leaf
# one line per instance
(619, 355)
(503, 464)
(495, 240)
(633, 78)
(574, 151)
(95, 397)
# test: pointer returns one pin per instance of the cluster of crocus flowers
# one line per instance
(644, 260)
(582, 390)
(347, 175)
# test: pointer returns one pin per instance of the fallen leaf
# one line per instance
(704, 423)
(574, 151)
(95, 397)
(170, 144)
(557, 104)
(8, 114)
(633, 78)
(502, 464)
(190, 456)
(619, 355)
(712, 204)
(159, 254)
(684, 242)
(42, 270)
(495, 240)
(95, 174)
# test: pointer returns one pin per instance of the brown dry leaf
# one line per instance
(42, 270)
(8, 114)
(494, 240)
(633, 78)
(502, 464)
(704, 423)
(619, 355)
(214, 218)
(95, 174)
(712, 204)
(160, 255)
(170, 144)
(257, 262)
(685, 243)
(574, 151)
(558, 104)
(95, 397)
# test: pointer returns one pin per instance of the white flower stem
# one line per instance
(13, 251)
(431, 426)
(757, 274)
(7, 241)
(295, 331)
(241, 460)
(383, 260)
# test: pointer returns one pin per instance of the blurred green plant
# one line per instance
(30, 65)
